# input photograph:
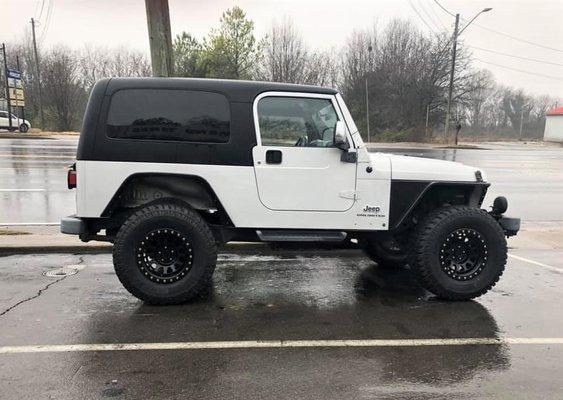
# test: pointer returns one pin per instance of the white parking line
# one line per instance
(259, 344)
(539, 264)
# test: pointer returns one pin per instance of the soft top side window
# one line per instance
(169, 115)
(296, 121)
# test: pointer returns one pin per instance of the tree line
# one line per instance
(405, 73)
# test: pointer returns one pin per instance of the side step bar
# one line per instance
(272, 235)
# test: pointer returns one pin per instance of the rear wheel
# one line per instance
(165, 254)
(458, 252)
(386, 252)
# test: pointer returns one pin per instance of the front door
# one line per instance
(296, 164)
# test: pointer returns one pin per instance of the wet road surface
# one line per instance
(33, 178)
(289, 296)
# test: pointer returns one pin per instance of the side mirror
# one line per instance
(340, 139)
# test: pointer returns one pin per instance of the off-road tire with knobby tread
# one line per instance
(384, 258)
(429, 236)
(198, 279)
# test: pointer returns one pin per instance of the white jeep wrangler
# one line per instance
(168, 169)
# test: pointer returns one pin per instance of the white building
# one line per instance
(554, 125)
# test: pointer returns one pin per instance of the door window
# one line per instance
(296, 121)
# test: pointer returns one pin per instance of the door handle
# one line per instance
(273, 157)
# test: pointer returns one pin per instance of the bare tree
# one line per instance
(65, 96)
(483, 87)
(285, 57)
(100, 62)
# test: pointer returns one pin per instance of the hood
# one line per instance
(427, 169)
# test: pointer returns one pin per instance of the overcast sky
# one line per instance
(323, 23)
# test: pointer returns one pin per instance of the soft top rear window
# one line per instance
(169, 115)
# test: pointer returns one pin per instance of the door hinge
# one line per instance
(350, 194)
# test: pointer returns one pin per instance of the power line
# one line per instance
(35, 8)
(41, 12)
(420, 16)
(501, 33)
(47, 21)
(517, 38)
(433, 10)
(519, 57)
(444, 8)
(521, 70)
(423, 8)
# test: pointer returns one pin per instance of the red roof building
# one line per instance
(555, 111)
(554, 125)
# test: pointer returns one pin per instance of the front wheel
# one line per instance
(24, 128)
(165, 254)
(458, 252)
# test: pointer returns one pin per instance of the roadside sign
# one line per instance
(13, 73)
(15, 88)
(16, 94)
(15, 83)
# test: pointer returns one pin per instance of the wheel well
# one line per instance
(141, 189)
(422, 198)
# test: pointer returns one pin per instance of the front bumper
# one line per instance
(510, 226)
(72, 225)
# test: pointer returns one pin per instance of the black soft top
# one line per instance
(235, 90)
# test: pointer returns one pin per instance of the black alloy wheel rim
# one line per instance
(463, 254)
(164, 256)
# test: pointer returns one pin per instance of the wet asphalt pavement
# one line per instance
(285, 295)
(33, 180)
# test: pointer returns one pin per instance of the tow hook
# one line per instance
(510, 226)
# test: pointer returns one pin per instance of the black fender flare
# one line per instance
(406, 195)
(143, 188)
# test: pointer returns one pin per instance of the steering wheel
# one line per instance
(302, 142)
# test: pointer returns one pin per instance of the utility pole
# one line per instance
(370, 48)
(451, 88)
(7, 88)
(426, 131)
(38, 74)
(160, 37)
(367, 109)
(457, 32)
(521, 121)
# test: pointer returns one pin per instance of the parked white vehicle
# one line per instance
(170, 169)
(22, 125)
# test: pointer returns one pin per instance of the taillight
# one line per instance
(71, 177)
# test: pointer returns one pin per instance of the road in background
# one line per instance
(33, 178)
(33, 186)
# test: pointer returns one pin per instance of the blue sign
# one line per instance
(13, 73)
